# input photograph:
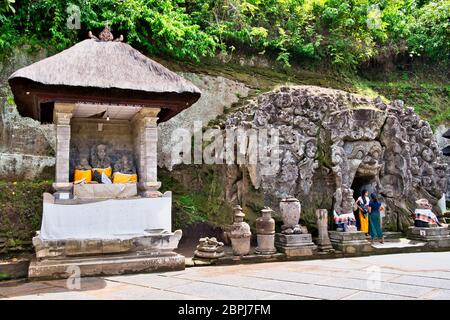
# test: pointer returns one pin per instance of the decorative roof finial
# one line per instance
(105, 35)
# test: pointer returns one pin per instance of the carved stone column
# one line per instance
(62, 114)
(323, 241)
(145, 147)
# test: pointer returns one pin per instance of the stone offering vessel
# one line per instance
(240, 233)
(265, 230)
(209, 248)
(290, 208)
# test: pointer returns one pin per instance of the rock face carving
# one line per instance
(331, 141)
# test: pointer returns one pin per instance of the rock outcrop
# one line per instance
(331, 141)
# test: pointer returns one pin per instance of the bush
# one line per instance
(342, 33)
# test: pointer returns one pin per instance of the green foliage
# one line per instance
(158, 27)
(20, 212)
(430, 31)
(5, 276)
(429, 101)
(342, 33)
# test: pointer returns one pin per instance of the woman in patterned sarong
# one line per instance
(363, 205)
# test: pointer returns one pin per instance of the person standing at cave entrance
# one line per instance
(363, 207)
(375, 208)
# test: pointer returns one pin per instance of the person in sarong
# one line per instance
(363, 211)
(375, 207)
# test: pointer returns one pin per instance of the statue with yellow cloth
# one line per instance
(124, 171)
(83, 171)
(101, 163)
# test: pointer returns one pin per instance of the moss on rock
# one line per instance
(20, 213)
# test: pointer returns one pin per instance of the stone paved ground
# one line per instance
(397, 276)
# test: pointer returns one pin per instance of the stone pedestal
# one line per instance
(323, 241)
(350, 242)
(295, 245)
(105, 191)
(265, 244)
(93, 257)
(435, 237)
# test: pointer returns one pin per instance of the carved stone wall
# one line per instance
(331, 140)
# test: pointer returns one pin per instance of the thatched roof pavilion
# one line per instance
(100, 71)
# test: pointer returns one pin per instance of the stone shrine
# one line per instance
(107, 215)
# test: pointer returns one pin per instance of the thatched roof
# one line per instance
(101, 71)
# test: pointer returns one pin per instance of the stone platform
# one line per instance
(435, 237)
(295, 245)
(350, 242)
(105, 191)
(392, 236)
(153, 252)
(104, 265)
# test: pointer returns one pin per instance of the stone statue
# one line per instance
(99, 157)
(125, 165)
(83, 164)
(343, 214)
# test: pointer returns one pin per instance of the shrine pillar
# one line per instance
(62, 113)
(145, 132)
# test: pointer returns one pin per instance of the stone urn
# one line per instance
(240, 233)
(265, 232)
(290, 208)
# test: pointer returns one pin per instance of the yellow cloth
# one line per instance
(124, 178)
(82, 174)
(364, 221)
(107, 171)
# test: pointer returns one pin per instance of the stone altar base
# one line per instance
(104, 265)
(295, 245)
(350, 242)
(153, 252)
(435, 237)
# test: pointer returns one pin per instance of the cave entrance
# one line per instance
(361, 183)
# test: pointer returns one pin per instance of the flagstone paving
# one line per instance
(381, 277)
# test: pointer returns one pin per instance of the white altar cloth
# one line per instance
(109, 219)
